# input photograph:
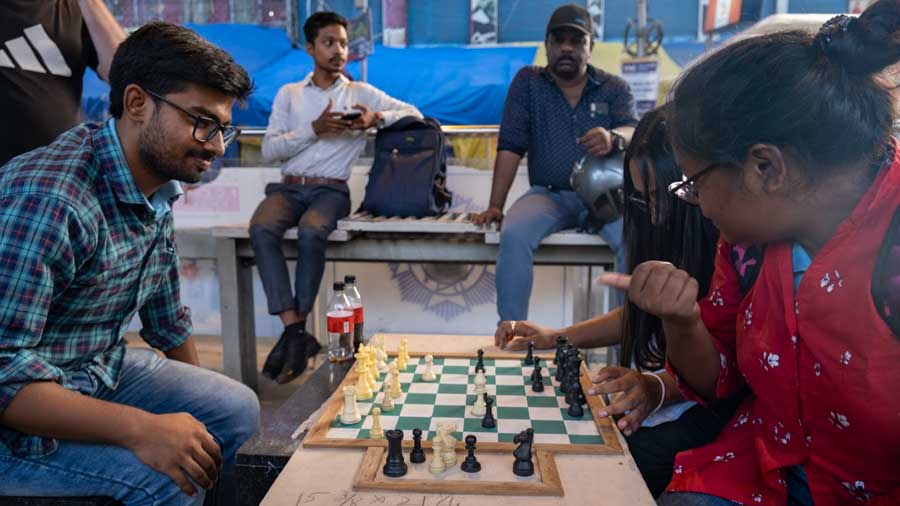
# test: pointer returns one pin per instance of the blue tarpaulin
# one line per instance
(457, 85)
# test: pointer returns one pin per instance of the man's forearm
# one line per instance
(505, 168)
(186, 353)
(600, 331)
(105, 33)
(47, 409)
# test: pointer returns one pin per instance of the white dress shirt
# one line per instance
(290, 134)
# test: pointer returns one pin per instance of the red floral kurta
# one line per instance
(822, 366)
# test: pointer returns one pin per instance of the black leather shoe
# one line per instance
(275, 361)
(299, 349)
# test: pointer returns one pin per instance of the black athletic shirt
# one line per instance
(44, 50)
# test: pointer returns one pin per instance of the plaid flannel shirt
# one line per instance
(81, 251)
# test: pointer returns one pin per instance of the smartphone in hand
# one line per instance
(350, 116)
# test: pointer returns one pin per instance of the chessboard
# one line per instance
(448, 399)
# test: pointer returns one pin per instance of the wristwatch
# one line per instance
(618, 142)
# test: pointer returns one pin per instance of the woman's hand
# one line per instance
(640, 394)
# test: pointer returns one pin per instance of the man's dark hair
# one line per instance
(166, 58)
(320, 20)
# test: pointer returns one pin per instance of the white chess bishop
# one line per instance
(479, 408)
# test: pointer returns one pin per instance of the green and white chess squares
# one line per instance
(450, 397)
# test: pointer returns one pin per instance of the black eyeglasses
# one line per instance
(686, 189)
(205, 128)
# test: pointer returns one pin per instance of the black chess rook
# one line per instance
(395, 466)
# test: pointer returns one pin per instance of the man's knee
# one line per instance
(516, 237)
(240, 413)
(262, 234)
(312, 237)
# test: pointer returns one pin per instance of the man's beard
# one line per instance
(152, 143)
(566, 73)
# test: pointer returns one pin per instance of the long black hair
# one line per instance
(817, 97)
(673, 231)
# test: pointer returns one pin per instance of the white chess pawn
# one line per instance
(350, 415)
(363, 390)
(396, 390)
(381, 364)
(479, 408)
(437, 460)
(428, 375)
(376, 432)
(387, 400)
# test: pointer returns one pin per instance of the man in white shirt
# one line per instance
(319, 127)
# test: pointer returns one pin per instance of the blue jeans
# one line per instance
(537, 214)
(229, 410)
(315, 211)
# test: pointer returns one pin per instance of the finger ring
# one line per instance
(512, 325)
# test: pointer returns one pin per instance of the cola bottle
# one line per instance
(340, 326)
(356, 303)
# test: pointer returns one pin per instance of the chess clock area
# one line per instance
(454, 419)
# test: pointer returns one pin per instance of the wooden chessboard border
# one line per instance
(318, 437)
(370, 477)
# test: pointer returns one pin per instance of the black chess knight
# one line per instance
(523, 466)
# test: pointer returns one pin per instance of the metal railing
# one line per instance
(257, 131)
(477, 155)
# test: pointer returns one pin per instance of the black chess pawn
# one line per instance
(523, 466)
(489, 422)
(537, 384)
(479, 366)
(576, 396)
(536, 371)
(560, 365)
(471, 464)
(560, 342)
(395, 466)
(529, 357)
(417, 455)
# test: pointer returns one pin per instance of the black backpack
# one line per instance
(409, 174)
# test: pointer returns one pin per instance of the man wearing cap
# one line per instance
(556, 114)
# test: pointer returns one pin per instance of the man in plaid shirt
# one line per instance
(87, 241)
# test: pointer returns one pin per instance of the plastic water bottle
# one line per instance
(340, 326)
(356, 303)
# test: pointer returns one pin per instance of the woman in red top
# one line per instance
(785, 144)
